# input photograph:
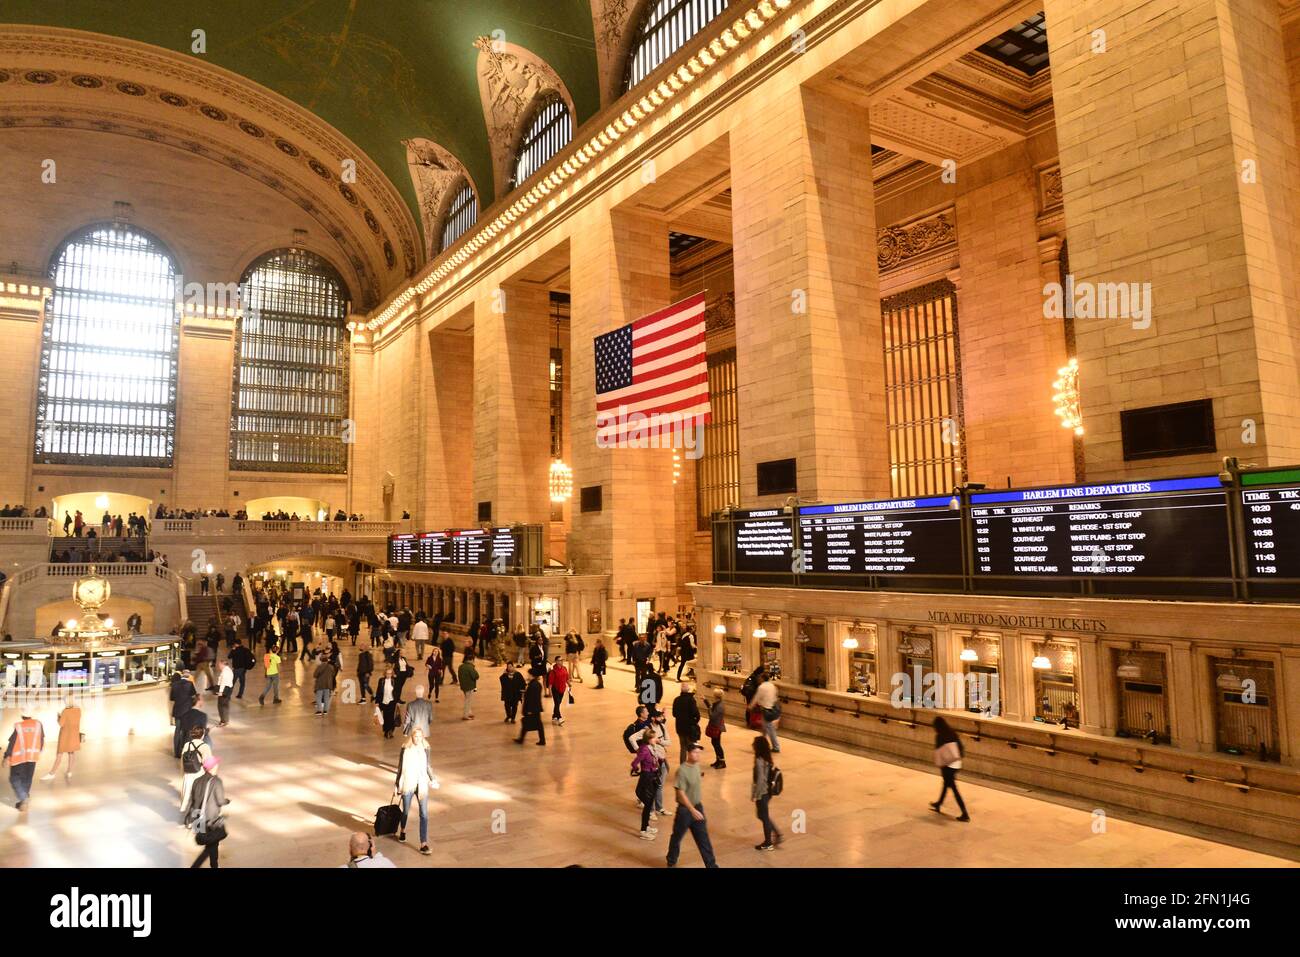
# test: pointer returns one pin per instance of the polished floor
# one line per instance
(300, 783)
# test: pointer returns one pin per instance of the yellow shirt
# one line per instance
(272, 664)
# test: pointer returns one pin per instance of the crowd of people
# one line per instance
(315, 630)
(21, 511)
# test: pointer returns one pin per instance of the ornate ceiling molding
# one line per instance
(57, 78)
(927, 244)
(435, 173)
(510, 80)
(614, 22)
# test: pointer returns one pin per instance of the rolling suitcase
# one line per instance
(387, 819)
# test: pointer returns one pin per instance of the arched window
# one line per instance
(461, 215)
(289, 402)
(107, 386)
(547, 134)
(665, 27)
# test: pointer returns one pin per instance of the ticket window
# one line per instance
(860, 648)
(1245, 707)
(981, 657)
(769, 651)
(732, 659)
(916, 655)
(1142, 687)
(812, 654)
(1056, 689)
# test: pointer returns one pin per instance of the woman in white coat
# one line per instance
(414, 779)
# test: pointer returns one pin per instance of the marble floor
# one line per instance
(299, 784)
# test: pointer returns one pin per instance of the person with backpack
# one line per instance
(533, 709)
(599, 656)
(632, 733)
(767, 783)
(948, 752)
(645, 768)
(365, 668)
(195, 752)
(203, 814)
(685, 652)
(716, 728)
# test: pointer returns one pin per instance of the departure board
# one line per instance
(510, 550)
(1170, 528)
(401, 549)
(1271, 528)
(893, 537)
(764, 540)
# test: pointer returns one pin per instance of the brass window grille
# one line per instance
(717, 471)
(664, 29)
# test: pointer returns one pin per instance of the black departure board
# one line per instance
(894, 537)
(401, 549)
(1271, 529)
(1162, 528)
(764, 540)
(509, 550)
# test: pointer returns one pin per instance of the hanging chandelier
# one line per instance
(1066, 397)
(560, 481)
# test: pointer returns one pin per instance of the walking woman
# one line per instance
(386, 701)
(948, 752)
(204, 814)
(69, 738)
(558, 680)
(414, 779)
(645, 767)
(437, 669)
(715, 729)
(599, 655)
(761, 793)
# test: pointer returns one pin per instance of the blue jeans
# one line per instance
(20, 777)
(423, 803)
(769, 729)
(683, 822)
(323, 701)
(272, 687)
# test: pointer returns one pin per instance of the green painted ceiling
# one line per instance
(380, 71)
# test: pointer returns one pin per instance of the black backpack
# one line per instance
(627, 733)
(191, 760)
(775, 781)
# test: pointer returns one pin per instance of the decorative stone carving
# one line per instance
(1050, 193)
(612, 21)
(435, 172)
(895, 245)
(720, 314)
(510, 80)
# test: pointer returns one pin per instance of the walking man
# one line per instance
(325, 674)
(419, 713)
(225, 688)
(24, 750)
(271, 660)
(690, 810)
(512, 690)
(468, 677)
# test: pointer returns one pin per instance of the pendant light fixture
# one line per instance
(560, 478)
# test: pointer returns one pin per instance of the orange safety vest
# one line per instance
(29, 738)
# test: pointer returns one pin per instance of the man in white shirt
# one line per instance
(420, 634)
(766, 700)
(225, 687)
(362, 853)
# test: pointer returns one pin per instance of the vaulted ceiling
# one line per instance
(381, 72)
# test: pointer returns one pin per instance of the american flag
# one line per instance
(656, 365)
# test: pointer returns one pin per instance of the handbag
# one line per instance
(948, 755)
(713, 730)
(754, 717)
(570, 696)
(203, 834)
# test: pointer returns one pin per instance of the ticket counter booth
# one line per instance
(981, 657)
(1056, 687)
(1141, 692)
(769, 645)
(916, 658)
(1245, 707)
(814, 669)
(859, 647)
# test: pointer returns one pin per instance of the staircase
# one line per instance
(203, 610)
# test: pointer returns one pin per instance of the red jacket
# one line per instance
(558, 679)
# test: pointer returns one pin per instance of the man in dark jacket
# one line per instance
(183, 694)
(365, 666)
(640, 657)
(325, 674)
(241, 660)
(686, 718)
(194, 718)
(533, 709)
(626, 636)
(512, 689)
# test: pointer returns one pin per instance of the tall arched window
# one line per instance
(548, 133)
(665, 27)
(461, 215)
(289, 403)
(107, 386)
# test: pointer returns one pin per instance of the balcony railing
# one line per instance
(254, 528)
(26, 526)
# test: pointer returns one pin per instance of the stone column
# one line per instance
(809, 355)
(1179, 169)
(512, 402)
(447, 431)
(620, 269)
